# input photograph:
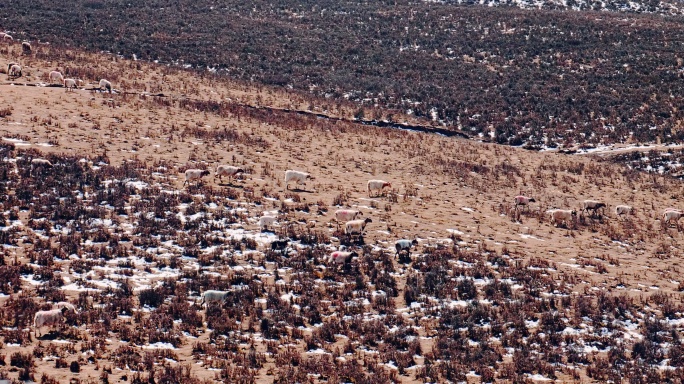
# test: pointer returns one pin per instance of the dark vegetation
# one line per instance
(670, 162)
(537, 77)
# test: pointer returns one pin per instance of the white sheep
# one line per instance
(48, 318)
(296, 176)
(213, 296)
(672, 214)
(41, 162)
(194, 175)
(26, 47)
(14, 70)
(344, 215)
(8, 37)
(342, 257)
(56, 76)
(523, 201)
(562, 215)
(356, 226)
(105, 85)
(228, 171)
(377, 186)
(38, 162)
(623, 210)
(592, 205)
(69, 84)
(267, 221)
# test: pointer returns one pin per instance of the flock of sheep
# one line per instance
(568, 216)
(354, 225)
(15, 70)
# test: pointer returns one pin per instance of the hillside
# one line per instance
(538, 78)
(489, 292)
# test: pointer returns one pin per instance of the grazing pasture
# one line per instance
(488, 291)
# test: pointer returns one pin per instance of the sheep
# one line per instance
(38, 162)
(266, 221)
(8, 37)
(227, 170)
(377, 185)
(56, 76)
(296, 176)
(524, 201)
(671, 214)
(70, 84)
(404, 245)
(213, 296)
(194, 174)
(623, 210)
(26, 47)
(343, 258)
(356, 226)
(48, 318)
(592, 205)
(14, 70)
(562, 215)
(67, 305)
(106, 85)
(344, 215)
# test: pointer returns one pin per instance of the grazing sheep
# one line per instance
(344, 215)
(592, 205)
(405, 245)
(296, 176)
(227, 170)
(26, 47)
(672, 214)
(343, 258)
(623, 210)
(2, 35)
(67, 305)
(70, 84)
(524, 201)
(214, 296)
(356, 226)
(14, 70)
(562, 215)
(41, 162)
(105, 85)
(266, 221)
(48, 318)
(56, 76)
(8, 37)
(194, 175)
(377, 185)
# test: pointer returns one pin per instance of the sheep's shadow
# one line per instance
(299, 190)
(231, 185)
(50, 336)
